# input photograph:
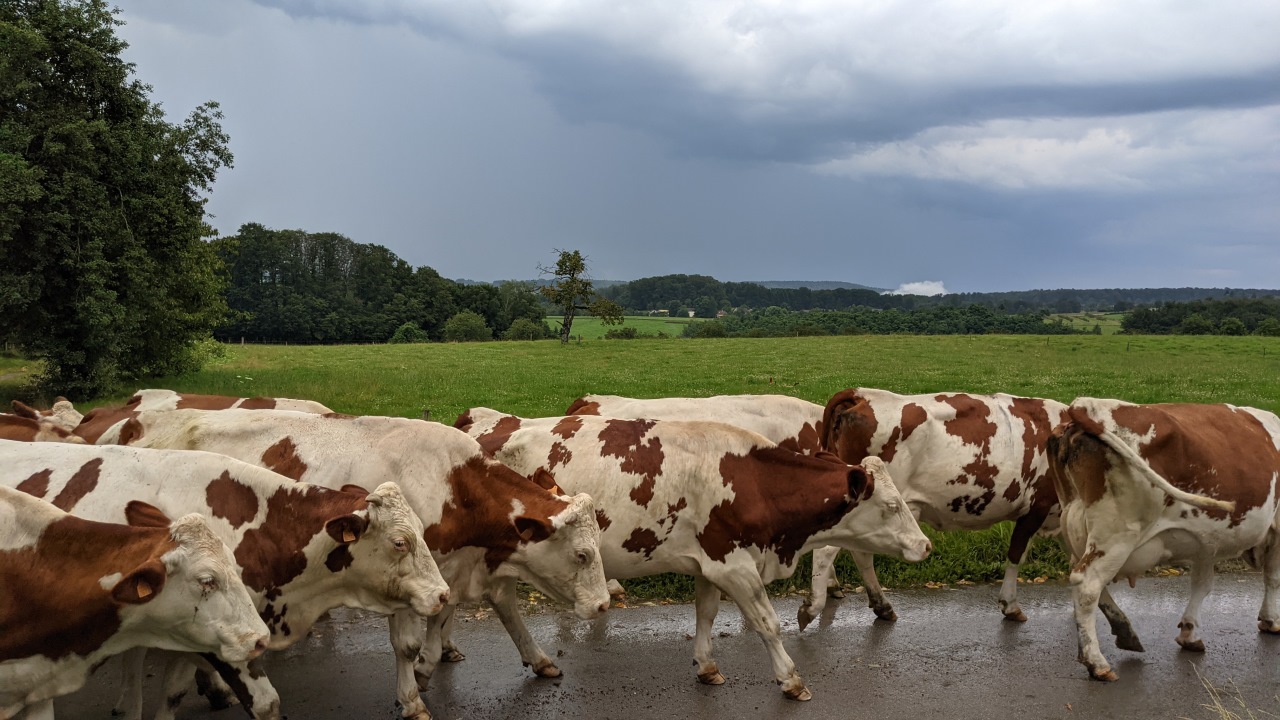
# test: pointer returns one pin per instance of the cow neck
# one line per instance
(61, 609)
(782, 500)
(484, 498)
(99, 420)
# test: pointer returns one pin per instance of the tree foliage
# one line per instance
(408, 333)
(467, 326)
(571, 291)
(971, 320)
(1231, 316)
(104, 271)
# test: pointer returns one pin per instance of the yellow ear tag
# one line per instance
(348, 536)
(144, 589)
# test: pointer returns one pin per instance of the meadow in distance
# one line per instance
(541, 379)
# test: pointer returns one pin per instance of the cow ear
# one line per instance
(142, 585)
(546, 480)
(354, 490)
(532, 529)
(140, 514)
(858, 482)
(347, 529)
(22, 409)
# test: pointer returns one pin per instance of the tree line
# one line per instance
(1232, 316)
(970, 320)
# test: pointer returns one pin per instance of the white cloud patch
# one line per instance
(922, 287)
(1172, 149)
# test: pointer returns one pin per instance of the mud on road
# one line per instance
(949, 656)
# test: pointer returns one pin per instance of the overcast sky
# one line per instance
(980, 144)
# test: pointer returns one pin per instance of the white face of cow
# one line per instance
(193, 598)
(882, 523)
(391, 565)
(566, 566)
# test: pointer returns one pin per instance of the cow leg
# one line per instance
(1088, 579)
(879, 604)
(1201, 584)
(1023, 530)
(1126, 638)
(449, 652)
(214, 689)
(706, 606)
(129, 705)
(406, 639)
(1269, 615)
(248, 680)
(42, 710)
(432, 642)
(502, 595)
(824, 570)
(746, 589)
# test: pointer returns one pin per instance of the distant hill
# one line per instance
(815, 285)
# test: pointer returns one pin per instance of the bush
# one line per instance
(622, 333)
(1195, 324)
(525, 329)
(1232, 326)
(467, 326)
(1269, 327)
(408, 333)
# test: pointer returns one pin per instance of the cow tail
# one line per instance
(839, 403)
(1124, 450)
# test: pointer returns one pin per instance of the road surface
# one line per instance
(948, 656)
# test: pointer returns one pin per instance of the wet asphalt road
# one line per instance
(948, 656)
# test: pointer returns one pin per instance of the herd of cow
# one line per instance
(285, 510)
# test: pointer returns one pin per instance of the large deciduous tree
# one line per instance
(571, 291)
(104, 269)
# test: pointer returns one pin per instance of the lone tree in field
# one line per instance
(571, 292)
(105, 274)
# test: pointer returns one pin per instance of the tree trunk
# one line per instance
(565, 324)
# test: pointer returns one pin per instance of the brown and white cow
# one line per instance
(793, 423)
(301, 549)
(710, 500)
(484, 522)
(29, 425)
(1148, 484)
(74, 592)
(98, 420)
(63, 414)
(961, 461)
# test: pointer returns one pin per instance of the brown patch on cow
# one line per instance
(781, 499)
(339, 559)
(1208, 450)
(849, 424)
(1093, 554)
(568, 426)
(80, 484)
(16, 427)
(624, 439)
(559, 455)
(283, 458)
(972, 426)
(603, 520)
(206, 402)
(582, 407)
(1080, 462)
(231, 500)
(642, 541)
(808, 440)
(53, 604)
(672, 512)
(101, 419)
(497, 436)
(913, 416)
(463, 422)
(337, 416)
(36, 485)
(272, 554)
(477, 513)
(258, 403)
(130, 431)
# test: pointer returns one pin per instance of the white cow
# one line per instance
(75, 592)
(301, 550)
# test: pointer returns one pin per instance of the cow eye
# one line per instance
(208, 584)
(582, 558)
(400, 544)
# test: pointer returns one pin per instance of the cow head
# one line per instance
(880, 521)
(383, 556)
(28, 424)
(191, 597)
(560, 556)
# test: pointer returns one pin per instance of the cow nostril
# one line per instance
(260, 646)
(444, 598)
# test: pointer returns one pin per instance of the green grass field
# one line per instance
(590, 328)
(542, 378)
(1108, 321)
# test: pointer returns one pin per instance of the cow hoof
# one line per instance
(1016, 616)
(1270, 628)
(1129, 642)
(835, 592)
(1103, 675)
(545, 668)
(452, 655)
(711, 676)
(1196, 646)
(804, 616)
(798, 692)
(885, 613)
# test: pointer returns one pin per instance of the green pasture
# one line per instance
(542, 378)
(1108, 321)
(591, 328)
